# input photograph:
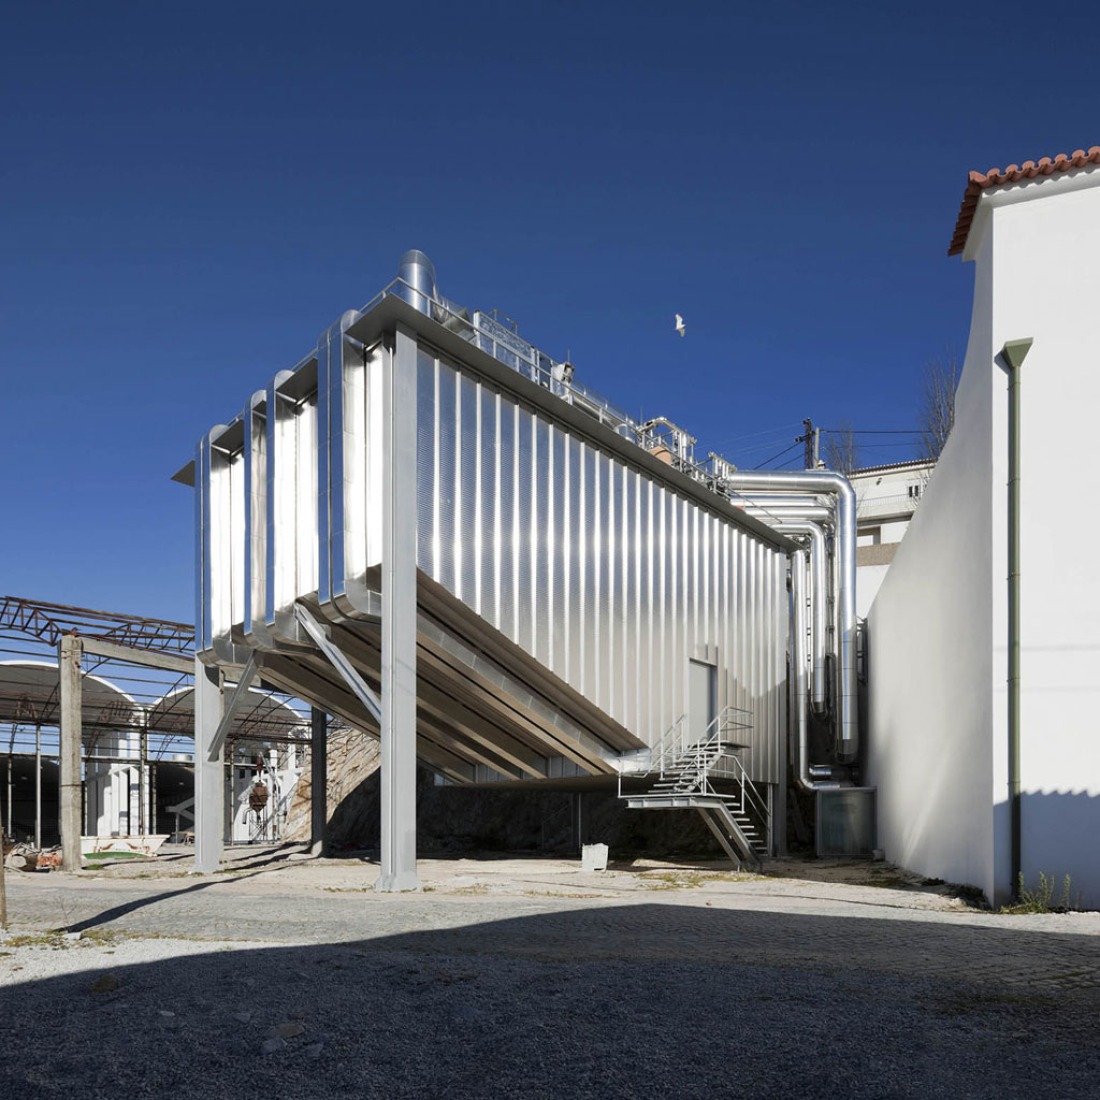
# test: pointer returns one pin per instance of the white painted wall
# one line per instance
(112, 790)
(884, 507)
(937, 737)
(929, 639)
(869, 580)
(1050, 290)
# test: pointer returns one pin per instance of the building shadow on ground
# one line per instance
(632, 1000)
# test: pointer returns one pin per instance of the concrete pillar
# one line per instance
(398, 747)
(38, 787)
(209, 770)
(318, 770)
(143, 783)
(70, 650)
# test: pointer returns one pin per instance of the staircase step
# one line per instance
(683, 784)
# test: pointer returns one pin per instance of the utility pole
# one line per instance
(811, 440)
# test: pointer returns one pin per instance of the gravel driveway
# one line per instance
(529, 979)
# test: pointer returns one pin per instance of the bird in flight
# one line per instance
(680, 324)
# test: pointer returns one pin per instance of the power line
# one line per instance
(867, 431)
(786, 450)
(736, 441)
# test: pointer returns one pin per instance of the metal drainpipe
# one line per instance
(1014, 353)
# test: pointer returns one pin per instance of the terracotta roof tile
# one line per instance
(977, 183)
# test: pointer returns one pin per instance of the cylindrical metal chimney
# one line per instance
(417, 272)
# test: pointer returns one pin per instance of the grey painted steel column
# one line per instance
(70, 650)
(398, 749)
(318, 770)
(209, 770)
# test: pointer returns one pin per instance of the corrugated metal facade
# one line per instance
(610, 577)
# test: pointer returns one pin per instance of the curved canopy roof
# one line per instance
(261, 717)
(30, 694)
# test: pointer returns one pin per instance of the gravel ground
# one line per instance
(528, 979)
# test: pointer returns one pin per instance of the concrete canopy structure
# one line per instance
(985, 637)
(30, 693)
(131, 746)
(261, 719)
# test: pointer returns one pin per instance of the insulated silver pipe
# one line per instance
(821, 482)
(417, 272)
(796, 518)
(771, 513)
(798, 665)
(819, 597)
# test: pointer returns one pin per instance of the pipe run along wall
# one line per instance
(785, 498)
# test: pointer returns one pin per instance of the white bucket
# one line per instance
(593, 857)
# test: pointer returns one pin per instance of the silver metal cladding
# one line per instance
(220, 558)
(293, 504)
(203, 563)
(607, 576)
(254, 626)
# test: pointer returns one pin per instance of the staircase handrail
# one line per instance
(750, 796)
(671, 744)
(672, 748)
(690, 765)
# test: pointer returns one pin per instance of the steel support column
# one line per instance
(209, 770)
(398, 732)
(318, 770)
(70, 650)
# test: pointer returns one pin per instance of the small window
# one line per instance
(915, 491)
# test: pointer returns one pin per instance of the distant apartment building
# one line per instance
(886, 498)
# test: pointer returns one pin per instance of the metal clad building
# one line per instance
(576, 595)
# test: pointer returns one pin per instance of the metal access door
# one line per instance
(702, 706)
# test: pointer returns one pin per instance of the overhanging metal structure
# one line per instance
(522, 574)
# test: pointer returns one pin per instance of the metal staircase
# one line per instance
(735, 812)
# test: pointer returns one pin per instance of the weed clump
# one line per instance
(1042, 898)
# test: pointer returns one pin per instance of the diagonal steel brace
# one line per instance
(336, 657)
(240, 693)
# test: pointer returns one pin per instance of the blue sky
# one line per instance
(190, 193)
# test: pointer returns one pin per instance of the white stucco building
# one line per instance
(939, 644)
